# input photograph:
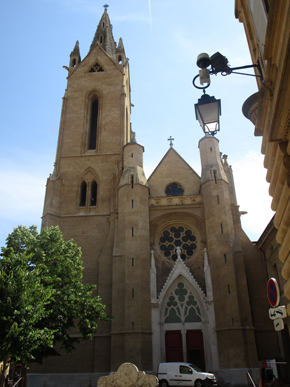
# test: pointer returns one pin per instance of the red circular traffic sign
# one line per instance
(273, 292)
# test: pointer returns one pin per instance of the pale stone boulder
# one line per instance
(128, 375)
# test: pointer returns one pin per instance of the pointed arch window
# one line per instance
(181, 306)
(92, 142)
(93, 193)
(83, 194)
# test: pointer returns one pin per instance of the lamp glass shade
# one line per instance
(207, 112)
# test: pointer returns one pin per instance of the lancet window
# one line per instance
(83, 194)
(92, 141)
(181, 306)
(88, 194)
(93, 193)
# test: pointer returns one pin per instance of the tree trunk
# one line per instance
(23, 375)
(2, 377)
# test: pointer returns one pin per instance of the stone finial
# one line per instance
(206, 262)
(117, 168)
(133, 136)
(153, 267)
(76, 50)
(75, 57)
(128, 375)
(225, 157)
(120, 47)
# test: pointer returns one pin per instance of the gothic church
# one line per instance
(168, 254)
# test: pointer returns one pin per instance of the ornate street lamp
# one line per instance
(208, 109)
(207, 112)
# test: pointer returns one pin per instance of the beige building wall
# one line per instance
(269, 109)
(268, 244)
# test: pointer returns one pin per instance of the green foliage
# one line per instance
(42, 296)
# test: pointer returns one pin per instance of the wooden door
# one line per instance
(173, 346)
(195, 349)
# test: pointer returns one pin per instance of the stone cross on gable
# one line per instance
(170, 143)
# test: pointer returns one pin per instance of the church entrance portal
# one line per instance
(194, 350)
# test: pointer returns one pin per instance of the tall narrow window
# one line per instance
(133, 295)
(132, 203)
(93, 193)
(132, 181)
(128, 134)
(93, 125)
(214, 175)
(132, 231)
(229, 289)
(83, 194)
(133, 262)
(218, 199)
(225, 258)
(266, 4)
(222, 230)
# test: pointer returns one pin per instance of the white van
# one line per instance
(184, 374)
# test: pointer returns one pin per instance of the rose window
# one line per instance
(174, 189)
(178, 236)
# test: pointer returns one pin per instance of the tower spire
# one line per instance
(104, 35)
(75, 57)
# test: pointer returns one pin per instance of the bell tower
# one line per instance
(234, 326)
(83, 197)
(131, 299)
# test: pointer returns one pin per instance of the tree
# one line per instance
(42, 297)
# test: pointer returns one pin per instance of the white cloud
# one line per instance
(21, 195)
(21, 199)
(253, 194)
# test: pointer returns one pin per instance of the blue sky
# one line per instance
(37, 37)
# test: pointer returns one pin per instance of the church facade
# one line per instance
(168, 254)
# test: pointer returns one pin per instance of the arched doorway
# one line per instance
(182, 325)
(183, 319)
